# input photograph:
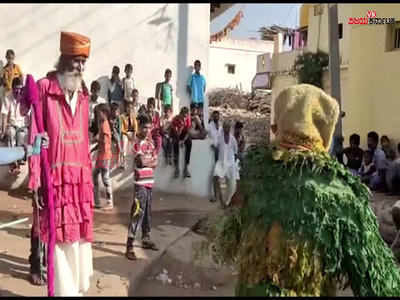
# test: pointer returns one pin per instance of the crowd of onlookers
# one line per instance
(377, 166)
(114, 125)
(120, 127)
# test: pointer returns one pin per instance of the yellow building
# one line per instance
(373, 101)
(370, 66)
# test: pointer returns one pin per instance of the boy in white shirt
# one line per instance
(15, 120)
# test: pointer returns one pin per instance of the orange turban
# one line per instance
(74, 44)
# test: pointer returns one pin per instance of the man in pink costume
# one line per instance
(64, 101)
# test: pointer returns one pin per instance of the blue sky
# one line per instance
(257, 15)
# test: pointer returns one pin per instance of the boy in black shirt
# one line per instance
(354, 154)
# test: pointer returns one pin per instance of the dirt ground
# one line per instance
(173, 217)
(113, 274)
(188, 277)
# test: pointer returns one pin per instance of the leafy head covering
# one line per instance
(305, 116)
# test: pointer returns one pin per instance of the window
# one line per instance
(340, 31)
(231, 69)
(393, 36)
(396, 38)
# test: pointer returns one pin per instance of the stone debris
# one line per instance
(214, 288)
(251, 109)
(259, 101)
(197, 285)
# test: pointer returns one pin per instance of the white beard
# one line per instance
(69, 81)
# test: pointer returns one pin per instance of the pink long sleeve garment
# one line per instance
(297, 40)
(69, 158)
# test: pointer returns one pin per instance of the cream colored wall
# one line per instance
(152, 37)
(318, 30)
(373, 102)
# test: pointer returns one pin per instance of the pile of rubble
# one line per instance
(258, 101)
(251, 109)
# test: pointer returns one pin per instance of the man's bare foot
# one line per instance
(186, 173)
(35, 279)
(148, 244)
(130, 254)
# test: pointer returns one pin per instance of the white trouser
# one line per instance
(230, 173)
(73, 266)
(125, 144)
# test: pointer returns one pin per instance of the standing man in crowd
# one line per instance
(164, 92)
(11, 71)
(64, 99)
(115, 88)
(226, 166)
(197, 88)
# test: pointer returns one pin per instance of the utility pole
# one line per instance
(334, 61)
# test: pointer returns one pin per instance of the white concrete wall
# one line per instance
(152, 37)
(241, 53)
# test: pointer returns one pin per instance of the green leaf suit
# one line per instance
(305, 227)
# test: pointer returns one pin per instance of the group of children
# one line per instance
(120, 127)
(378, 167)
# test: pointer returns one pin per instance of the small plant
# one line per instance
(310, 67)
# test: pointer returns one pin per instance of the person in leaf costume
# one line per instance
(305, 226)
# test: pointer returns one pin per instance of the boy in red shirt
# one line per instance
(179, 133)
(145, 161)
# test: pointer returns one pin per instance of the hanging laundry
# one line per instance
(296, 40)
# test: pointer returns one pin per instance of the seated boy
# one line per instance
(368, 170)
(354, 154)
(145, 161)
(393, 175)
(380, 161)
(180, 135)
(197, 132)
